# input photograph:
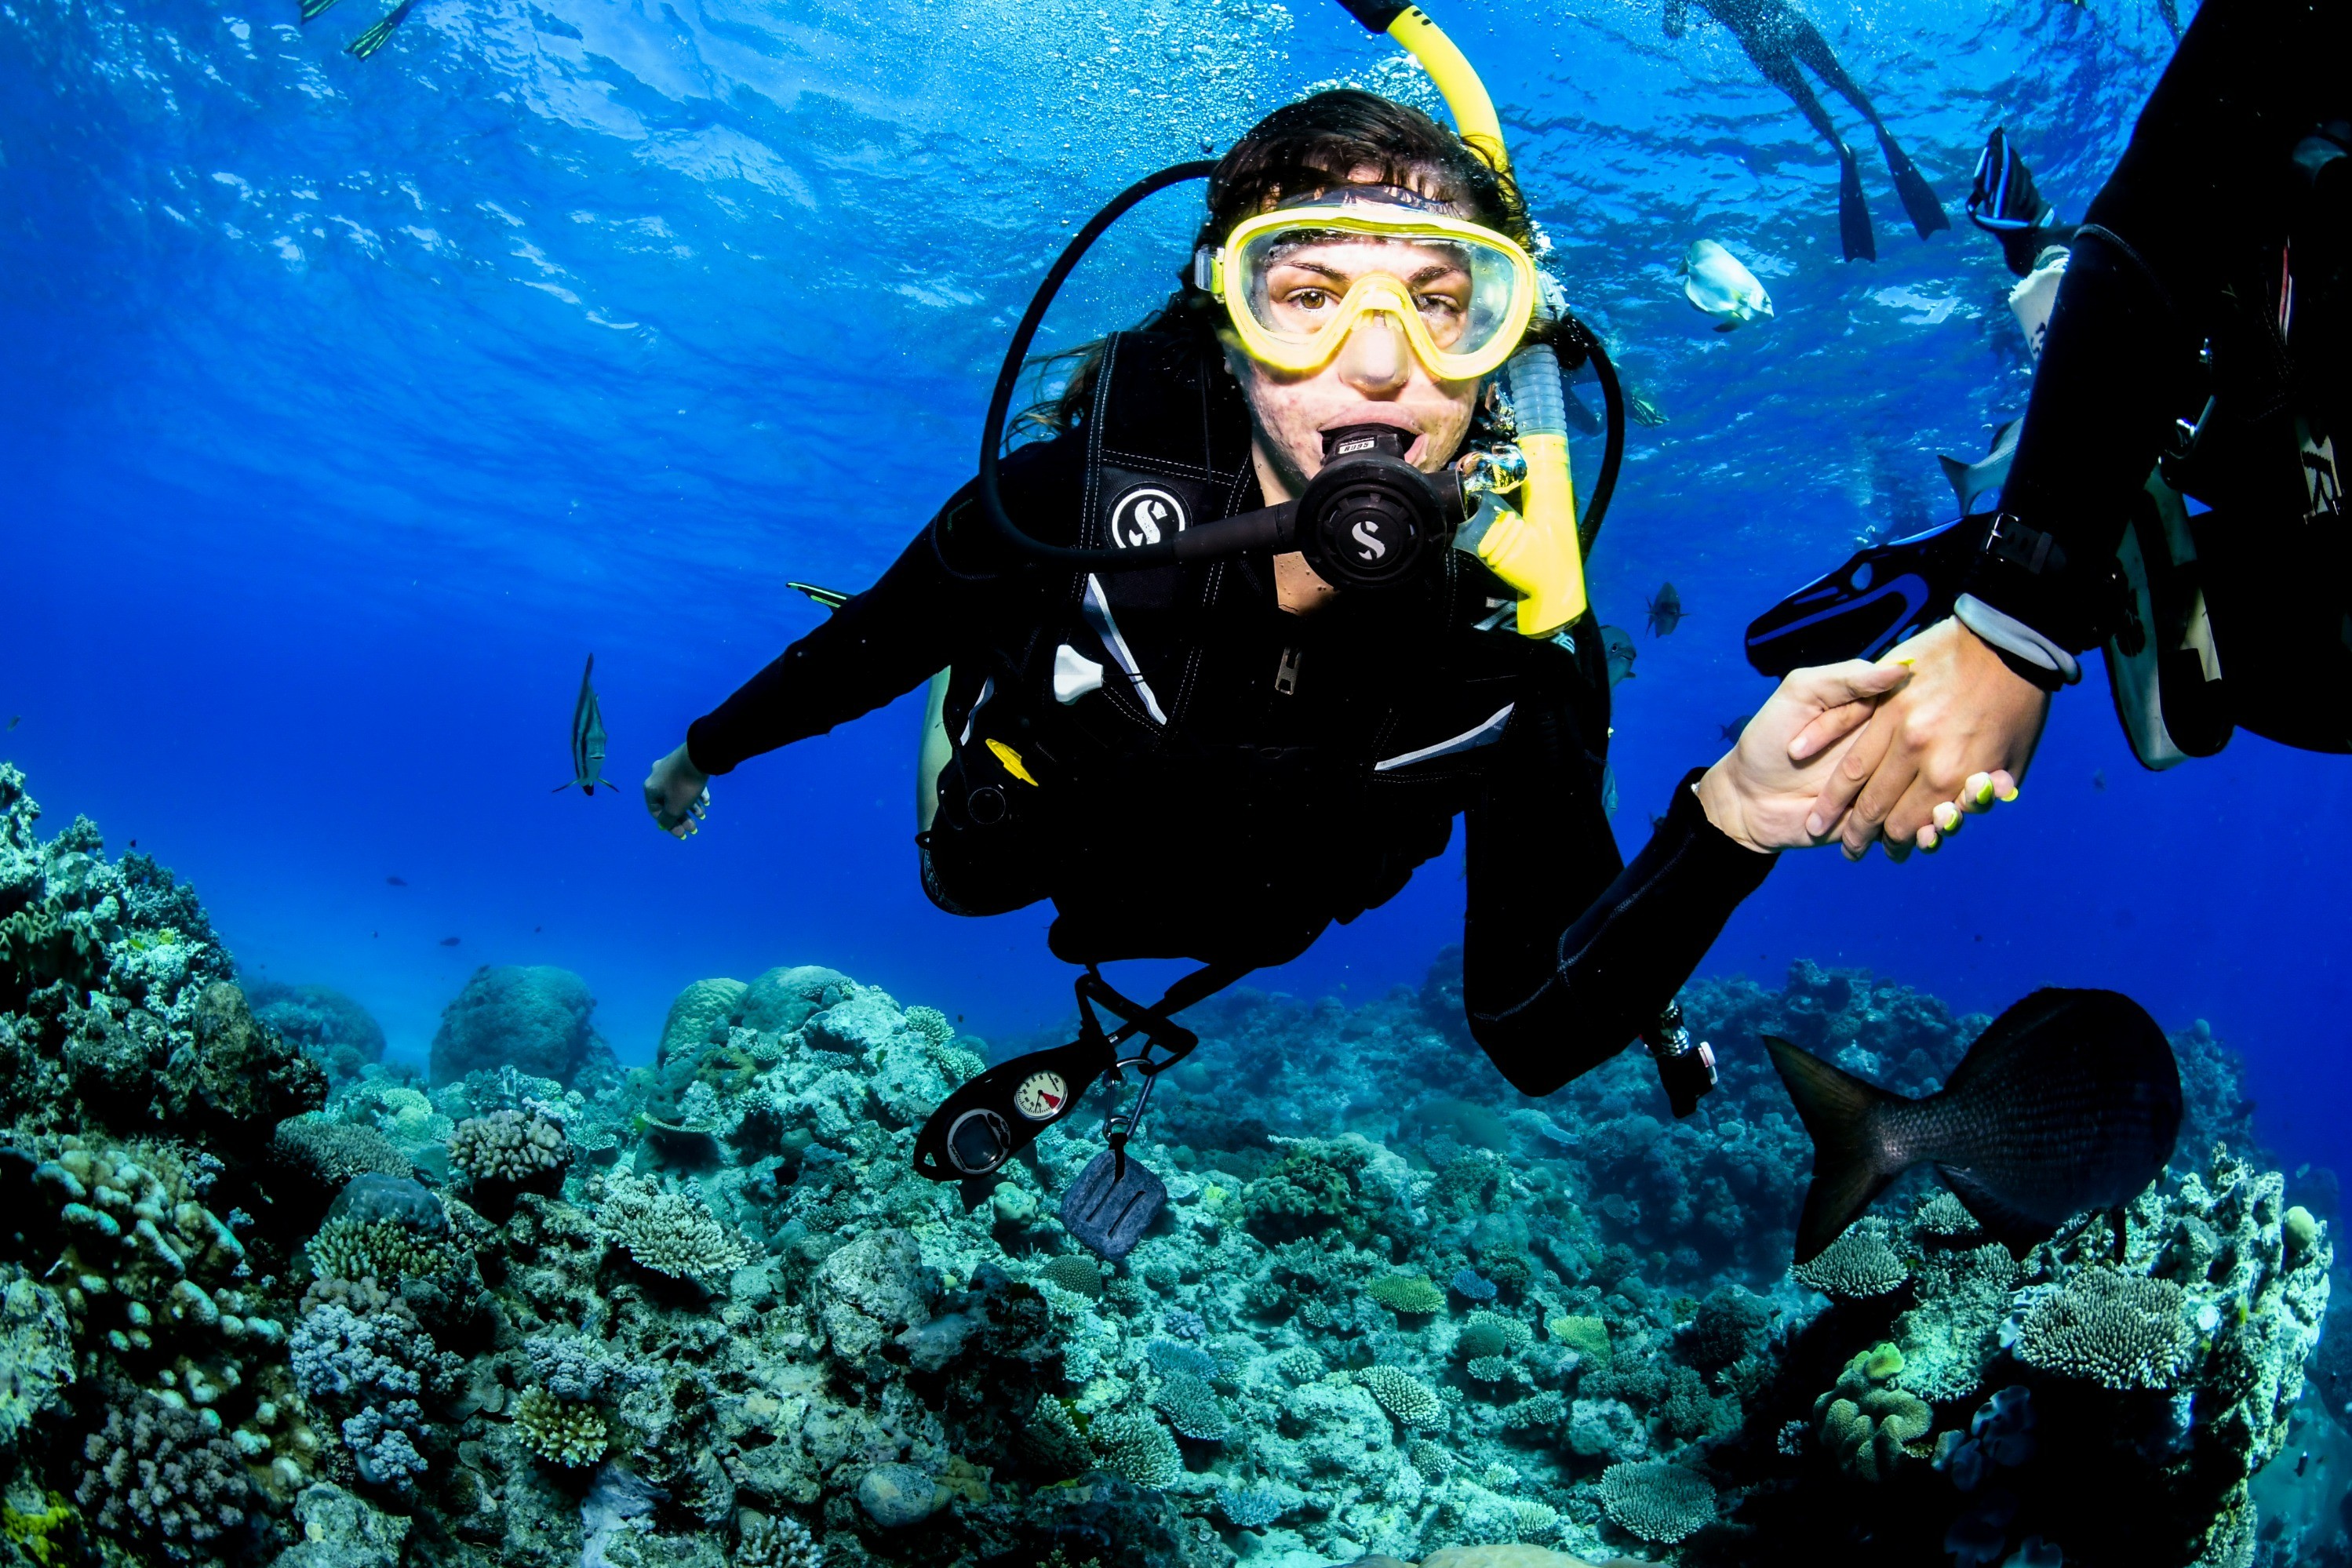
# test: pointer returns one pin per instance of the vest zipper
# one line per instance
(1285, 673)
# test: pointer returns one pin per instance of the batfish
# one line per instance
(1665, 611)
(587, 739)
(2069, 1102)
(1986, 475)
(1718, 284)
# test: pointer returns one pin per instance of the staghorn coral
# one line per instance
(1856, 1266)
(350, 1247)
(1191, 1407)
(765, 1542)
(162, 1482)
(2112, 1328)
(671, 1233)
(1404, 1396)
(564, 1432)
(1135, 1447)
(1657, 1500)
(1407, 1295)
(515, 1147)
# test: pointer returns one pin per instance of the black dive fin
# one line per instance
(1919, 199)
(1853, 213)
(831, 597)
(375, 37)
(312, 8)
(1838, 1110)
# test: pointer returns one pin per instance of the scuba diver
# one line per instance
(1218, 660)
(2174, 496)
(1780, 40)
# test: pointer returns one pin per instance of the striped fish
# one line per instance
(587, 739)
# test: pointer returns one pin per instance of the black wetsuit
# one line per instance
(1282, 791)
(2187, 246)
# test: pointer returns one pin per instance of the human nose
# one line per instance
(1376, 362)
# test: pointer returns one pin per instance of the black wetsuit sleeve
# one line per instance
(1552, 995)
(2201, 197)
(939, 603)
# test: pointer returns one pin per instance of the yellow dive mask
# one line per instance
(1297, 281)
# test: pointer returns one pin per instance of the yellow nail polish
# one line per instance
(1907, 664)
(2011, 795)
(1984, 794)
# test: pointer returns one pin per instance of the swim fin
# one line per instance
(1853, 213)
(312, 8)
(375, 37)
(1919, 201)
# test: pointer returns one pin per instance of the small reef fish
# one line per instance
(15, 719)
(1731, 729)
(450, 941)
(1718, 284)
(399, 881)
(1617, 644)
(1972, 481)
(587, 738)
(1665, 611)
(2069, 1103)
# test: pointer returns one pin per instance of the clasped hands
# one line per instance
(1902, 750)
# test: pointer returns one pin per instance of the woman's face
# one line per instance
(1375, 378)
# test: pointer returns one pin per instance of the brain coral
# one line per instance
(1074, 1271)
(1857, 1265)
(1403, 1397)
(2119, 1330)
(1867, 1424)
(1657, 1500)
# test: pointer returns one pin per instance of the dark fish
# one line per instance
(15, 719)
(1731, 730)
(2069, 1103)
(1617, 645)
(2098, 779)
(450, 941)
(396, 882)
(587, 738)
(1665, 608)
(134, 844)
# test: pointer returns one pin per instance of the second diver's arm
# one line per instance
(933, 605)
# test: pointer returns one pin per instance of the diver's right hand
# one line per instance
(677, 793)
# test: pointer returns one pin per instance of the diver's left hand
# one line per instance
(1761, 793)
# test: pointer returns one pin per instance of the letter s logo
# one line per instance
(1373, 549)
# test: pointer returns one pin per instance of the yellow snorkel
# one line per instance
(1537, 550)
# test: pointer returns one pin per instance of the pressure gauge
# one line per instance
(1041, 1096)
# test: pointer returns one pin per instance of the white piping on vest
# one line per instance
(1485, 734)
(1097, 607)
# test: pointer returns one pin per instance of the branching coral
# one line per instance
(671, 1233)
(561, 1431)
(1191, 1407)
(1135, 1447)
(515, 1147)
(162, 1482)
(1491, 1333)
(1404, 1396)
(1856, 1266)
(1407, 1295)
(766, 1542)
(321, 1148)
(1657, 1500)
(2112, 1328)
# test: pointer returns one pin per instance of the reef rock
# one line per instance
(531, 1018)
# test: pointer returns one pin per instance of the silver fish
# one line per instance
(1618, 644)
(587, 739)
(1986, 475)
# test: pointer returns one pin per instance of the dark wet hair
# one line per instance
(1334, 139)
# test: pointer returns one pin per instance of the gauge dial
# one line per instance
(1041, 1096)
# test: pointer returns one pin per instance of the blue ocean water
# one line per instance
(349, 405)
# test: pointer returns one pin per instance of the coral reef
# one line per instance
(531, 1018)
(327, 1027)
(542, 1311)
